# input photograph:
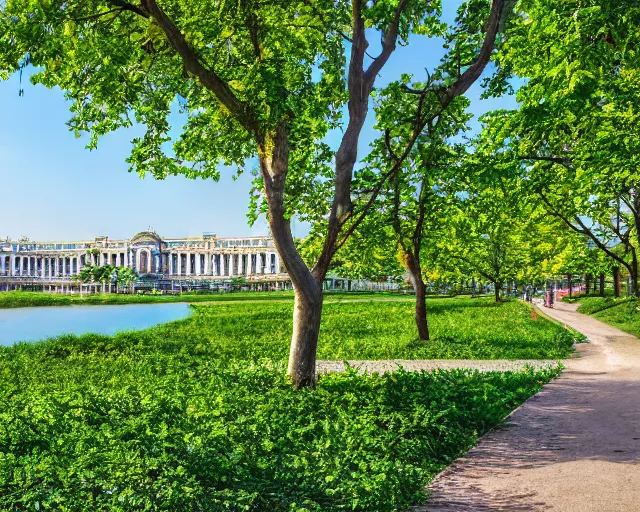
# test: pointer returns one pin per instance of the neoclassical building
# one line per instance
(205, 258)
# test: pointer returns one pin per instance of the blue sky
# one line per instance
(52, 188)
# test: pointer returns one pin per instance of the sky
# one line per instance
(52, 188)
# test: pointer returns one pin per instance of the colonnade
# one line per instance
(39, 266)
(143, 260)
(223, 264)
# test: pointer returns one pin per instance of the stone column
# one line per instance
(2, 258)
(170, 260)
(198, 269)
(207, 263)
(57, 267)
(43, 272)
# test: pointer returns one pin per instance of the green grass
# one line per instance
(36, 299)
(197, 414)
(621, 312)
(460, 328)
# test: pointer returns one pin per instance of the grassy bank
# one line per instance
(197, 414)
(37, 299)
(461, 329)
(621, 312)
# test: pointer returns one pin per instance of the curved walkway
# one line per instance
(412, 365)
(573, 447)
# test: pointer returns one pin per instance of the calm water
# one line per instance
(31, 324)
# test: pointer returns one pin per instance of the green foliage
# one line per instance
(125, 276)
(461, 329)
(576, 134)
(273, 63)
(365, 255)
(89, 432)
(190, 415)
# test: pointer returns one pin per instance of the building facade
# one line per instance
(206, 258)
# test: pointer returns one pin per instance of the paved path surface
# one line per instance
(382, 366)
(574, 447)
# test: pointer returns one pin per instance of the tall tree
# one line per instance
(415, 198)
(255, 79)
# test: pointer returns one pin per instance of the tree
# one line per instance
(104, 275)
(577, 132)
(260, 79)
(414, 198)
(85, 275)
(125, 276)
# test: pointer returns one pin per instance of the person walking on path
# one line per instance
(573, 447)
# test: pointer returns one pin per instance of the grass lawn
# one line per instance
(35, 299)
(621, 312)
(197, 414)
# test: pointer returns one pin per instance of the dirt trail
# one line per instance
(574, 447)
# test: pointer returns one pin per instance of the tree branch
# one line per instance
(388, 45)
(192, 64)
(126, 6)
(564, 161)
(582, 229)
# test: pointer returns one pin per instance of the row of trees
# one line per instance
(523, 199)
(265, 82)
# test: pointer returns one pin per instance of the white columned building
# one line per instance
(207, 259)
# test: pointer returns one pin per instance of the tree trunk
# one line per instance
(633, 274)
(602, 284)
(274, 160)
(307, 312)
(415, 275)
(570, 282)
(496, 290)
(616, 281)
(587, 279)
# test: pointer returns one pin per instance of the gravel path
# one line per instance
(573, 447)
(384, 366)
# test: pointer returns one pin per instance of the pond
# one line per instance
(32, 324)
